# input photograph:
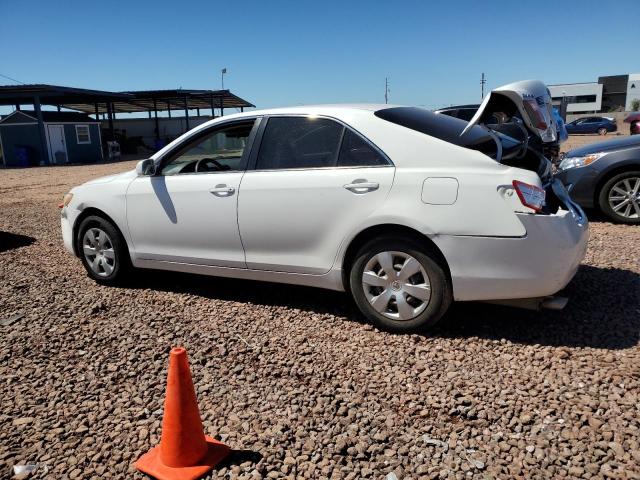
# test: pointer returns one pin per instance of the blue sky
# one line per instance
(300, 52)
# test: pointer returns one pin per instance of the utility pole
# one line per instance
(482, 82)
(386, 90)
(224, 70)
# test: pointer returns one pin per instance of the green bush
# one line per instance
(635, 105)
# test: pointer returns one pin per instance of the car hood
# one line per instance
(110, 178)
(606, 146)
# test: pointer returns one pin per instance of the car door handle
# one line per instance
(222, 190)
(361, 186)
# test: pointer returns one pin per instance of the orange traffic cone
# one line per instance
(184, 453)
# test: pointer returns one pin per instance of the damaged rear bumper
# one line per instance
(534, 266)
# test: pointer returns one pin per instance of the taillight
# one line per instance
(536, 116)
(530, 195)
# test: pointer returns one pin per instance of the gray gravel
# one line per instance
(294, 381)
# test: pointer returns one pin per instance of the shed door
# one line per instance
(57, 147)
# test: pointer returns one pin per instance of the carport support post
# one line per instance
(155, 111)
(110, 115)
(97, 113)
(221, 107)
(43, 138)
(241, 109)
(169, 109)
(213, 113)
(186, 113)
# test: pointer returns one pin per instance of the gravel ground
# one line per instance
(294, 381)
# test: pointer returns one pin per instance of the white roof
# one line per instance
(325, 109)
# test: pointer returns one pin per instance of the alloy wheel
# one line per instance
(396, 285)
(624, 197)
(98, 252)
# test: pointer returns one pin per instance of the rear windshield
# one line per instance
(445, 128)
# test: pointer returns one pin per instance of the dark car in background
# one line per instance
(605, 175)
(599, 125)
(463, 112)
(466, 112)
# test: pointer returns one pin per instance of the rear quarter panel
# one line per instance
(479, 208)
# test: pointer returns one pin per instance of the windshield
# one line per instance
(448, 129)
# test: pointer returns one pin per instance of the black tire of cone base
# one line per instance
(605, 192)
(119, 262)
(441, 290)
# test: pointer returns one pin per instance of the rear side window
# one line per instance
(308, 142)
(356, 152)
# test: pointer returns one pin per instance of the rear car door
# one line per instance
(187, 212)
(313, 180)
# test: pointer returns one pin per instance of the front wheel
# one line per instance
(399, 285)
(102, 250)
(602, 131)
(619, 198)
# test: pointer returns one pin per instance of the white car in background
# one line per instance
(405, 209)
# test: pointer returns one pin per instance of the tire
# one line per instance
(602, 131)
(620, 190)
(110, 263)
(419, 313)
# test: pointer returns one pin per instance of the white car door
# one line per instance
(187, 212)
(313, 181)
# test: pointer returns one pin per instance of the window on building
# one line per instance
(580, 99)
(82, 134)
(585, 98)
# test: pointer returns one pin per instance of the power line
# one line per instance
(12, 79)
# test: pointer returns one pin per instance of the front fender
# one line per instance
(107, 199)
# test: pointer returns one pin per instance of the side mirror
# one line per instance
(146, 167)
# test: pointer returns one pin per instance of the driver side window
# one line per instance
(220, 150)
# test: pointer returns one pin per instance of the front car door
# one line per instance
(187, 211)
(313, 180)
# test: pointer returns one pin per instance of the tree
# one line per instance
(635, 105)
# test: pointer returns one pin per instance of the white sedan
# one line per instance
(391, 204)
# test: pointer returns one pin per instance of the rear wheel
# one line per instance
(602, 131)
(399, 285)
(619, 198)
(102, 250)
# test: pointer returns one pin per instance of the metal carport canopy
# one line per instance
(58, 96)
(90, 101)
(161, 100)
(99, 101)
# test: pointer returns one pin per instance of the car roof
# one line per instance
(330, 110)
(326, 109)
